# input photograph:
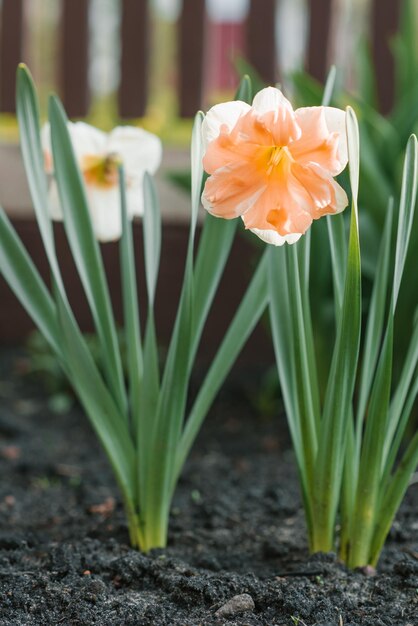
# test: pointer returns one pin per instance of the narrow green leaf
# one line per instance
(338, 247)
(27, 108)
(283, 343)
(152, 236)
(18, 269)
(406, 213)
(249, 312)
(245, 90)
(402, 392)
(329, 86)
(196, 159)
(393, 497)
(375, 320)
(308, 419)
(371, 456)
(130, 306)
(395, 438)
(215, 243)
(338, 398)
(107, 421)
(85, 248)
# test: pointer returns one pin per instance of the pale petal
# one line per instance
(47, 148)
(336, 122)
(270, 99)
(272, 237)
(231, 191)
(284, 207)
(277, 113)
(226, 113)
(135, 200)
(340, 200)
(139, 150)
(54, 203)
(86, 139)
(105, 212)
(323, 140)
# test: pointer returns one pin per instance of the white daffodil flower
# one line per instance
(98, 155)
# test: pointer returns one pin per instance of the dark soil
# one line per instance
(236, 528)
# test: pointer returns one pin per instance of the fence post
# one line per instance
(320, 20)
(385, 22)
(75, 57)
(133, 89)
(261, 39)
(11, 49)
(191, 56)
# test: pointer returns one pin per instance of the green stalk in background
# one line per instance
(142, 422)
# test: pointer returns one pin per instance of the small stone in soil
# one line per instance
(237, 604)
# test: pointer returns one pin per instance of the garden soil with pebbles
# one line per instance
(237, 552)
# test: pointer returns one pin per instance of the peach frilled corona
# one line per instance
(274, 166)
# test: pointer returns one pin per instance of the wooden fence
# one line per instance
(261, 50)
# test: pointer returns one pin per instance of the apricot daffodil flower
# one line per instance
(274, 166)
(99, 155)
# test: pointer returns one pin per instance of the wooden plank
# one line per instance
(191, 56)
(11, 50)
(320, 20)
(133, 89)
(385, 22)
(75, 57)
(261, 39)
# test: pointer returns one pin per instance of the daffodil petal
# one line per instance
(277, 112)
(135, 200)
(227, 113)
(272, 237)
(270, 99)
(318, 141)
(54, 203)
(105, 213)
(335, 119)
(86, 139)
(139, 150)
(340, 201)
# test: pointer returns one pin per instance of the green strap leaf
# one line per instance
(107, 421)
(283, 342)
(196, 159)
(152, 236)
(245, 90)
(85, 248)
(27, 109)
(406, 214)
(249, 312)
(375, 320)
(23, 277)
(130, 306)
(338, 398)
(393, 497)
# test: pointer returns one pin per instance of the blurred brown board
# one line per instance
(385, 17)
(191, 34)
(11, 50)
(320, 20)
(133, 89)
(261, 39)
(74, 64)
